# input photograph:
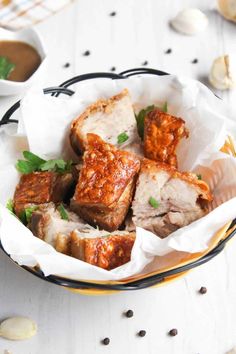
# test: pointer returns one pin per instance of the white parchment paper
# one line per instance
(43, 128)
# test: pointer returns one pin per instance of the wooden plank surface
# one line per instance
(75, 324)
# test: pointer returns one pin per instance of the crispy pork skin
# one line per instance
(46, 223)
(166, 199)
(106, 250)
(106, 184)
(41, 187)
(107, 118)
(162, 133)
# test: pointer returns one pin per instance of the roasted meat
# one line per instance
(106, 183)
(162, 133)
(75, 170)
(166, 199)
(112, 119)
(46, 223)
(41, 187)
(107, 250)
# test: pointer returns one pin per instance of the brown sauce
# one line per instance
(25, 58)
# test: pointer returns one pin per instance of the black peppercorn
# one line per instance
(113, 68)
(168, 51)
(203, 290)
(129, 313)
(86, 53)
(142, 333)
(145, 63)
(106, 341)
(195, 61)
(113, 13)
(66, 65)
(173, 332)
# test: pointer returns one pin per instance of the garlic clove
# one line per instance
(221, 75)
(190, 21)
(227, 8)
(18, 328)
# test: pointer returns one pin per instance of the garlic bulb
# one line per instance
(227, 8)
(18, 328)
(222, 76)
(190, 21)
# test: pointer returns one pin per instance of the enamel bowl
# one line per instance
(31, 37)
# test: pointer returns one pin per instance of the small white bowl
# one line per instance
(29, 36)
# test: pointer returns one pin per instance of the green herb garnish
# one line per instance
(199, 177)
(140, 119)
(31, 163)
(26, 214)
(29, 211)
(22, 217)
(52, 165)
(122, 138)
(153, 202)
(165, 107)
(34, 163)
(6, 68)
(10, 205)
(63, 212)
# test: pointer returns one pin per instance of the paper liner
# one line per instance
(43, 128)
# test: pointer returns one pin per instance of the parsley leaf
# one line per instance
(29, 211)
(25, 167)
(63, 212)
(122, 138)
(22, 217)
(26, 214)
(34, 163)
(153, 202)
(10, 205)
(53, 165)
(6, 68)
(31, 163)
(34, 159)
(199, 177)
(140, 119)
(165, 107)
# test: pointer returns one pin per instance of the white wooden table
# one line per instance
(75, 324)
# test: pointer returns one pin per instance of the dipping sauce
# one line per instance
(25, 58)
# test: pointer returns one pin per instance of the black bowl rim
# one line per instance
(142, 283)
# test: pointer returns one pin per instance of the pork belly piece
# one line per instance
(112, 119)
(41, 187)
(46, 223)
(106, 250)
(106, 183)
(135, 148)
(162, 133)
(75, 170)
(166, 199)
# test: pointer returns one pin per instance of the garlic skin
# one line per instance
(221, 75)
(190, 21)
(232, 351)
(227, 8)
(18, 328)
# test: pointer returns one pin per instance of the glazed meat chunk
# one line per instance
(107, 251)
(41, 187)
(47, 224)
(162, 133)
(106, 183)
(112, 119)
(166, 199)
